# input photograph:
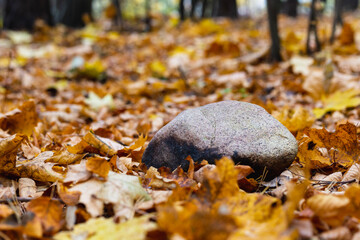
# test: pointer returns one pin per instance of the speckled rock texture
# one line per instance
(243, 131)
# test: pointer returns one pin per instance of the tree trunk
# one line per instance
(337, 20)
(22, 14)
(118, 18)
(74, 12)
(148, 25)
(312, 29)
(225, 8)
(291, 8)
(203, 8)
(273, 8)
(182, 10)
(193, 7)
(350, 5)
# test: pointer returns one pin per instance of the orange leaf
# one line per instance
(20, 120)
(49, 212)
(320, 148)
(98, 165)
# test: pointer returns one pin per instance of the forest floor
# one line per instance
(78, 108)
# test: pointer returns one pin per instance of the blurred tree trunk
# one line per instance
(74, 12)
(182, 10)
(291, 7)
(350, 5)
(337, 20)
(22, 14)
(203, 8)
(312, 29)
(225, 8)
(273, 9)
(193, 7)
(148, 25)
(118, 17)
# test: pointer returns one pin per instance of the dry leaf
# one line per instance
(20, 120)
(319, 148)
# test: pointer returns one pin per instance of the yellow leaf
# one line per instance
(294, 119)
(338, 101)
(102, 228)
(157, 68)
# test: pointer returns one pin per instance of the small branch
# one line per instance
(322, 182)
(24, 199)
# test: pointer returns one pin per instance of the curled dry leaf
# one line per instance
(64, 157)
(352, 173)
(331, 209)
(104, 146)
(27, 187)
(339, 233)
(38, 169)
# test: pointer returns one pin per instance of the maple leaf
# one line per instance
(338, 101)
(319, 148)
(102, 228)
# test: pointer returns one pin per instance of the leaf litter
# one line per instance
(74, 124)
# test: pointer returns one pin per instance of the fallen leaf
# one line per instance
(338, 101)
(20, 120)
(49, 212)
(102, 228)
(319, 148)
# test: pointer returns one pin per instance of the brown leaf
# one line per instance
(49, 212)
(99, 166)
(20, 120)
(319, 148)
(27, 187)
(8, 150)
(38, 169)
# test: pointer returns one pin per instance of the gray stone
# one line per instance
(243, 131)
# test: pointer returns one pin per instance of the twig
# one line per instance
(24, 199)
(322, 182)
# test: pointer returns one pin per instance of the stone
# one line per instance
(242, 131)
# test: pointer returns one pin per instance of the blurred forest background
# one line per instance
(21, 14)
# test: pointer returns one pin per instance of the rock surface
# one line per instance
(243, 131)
